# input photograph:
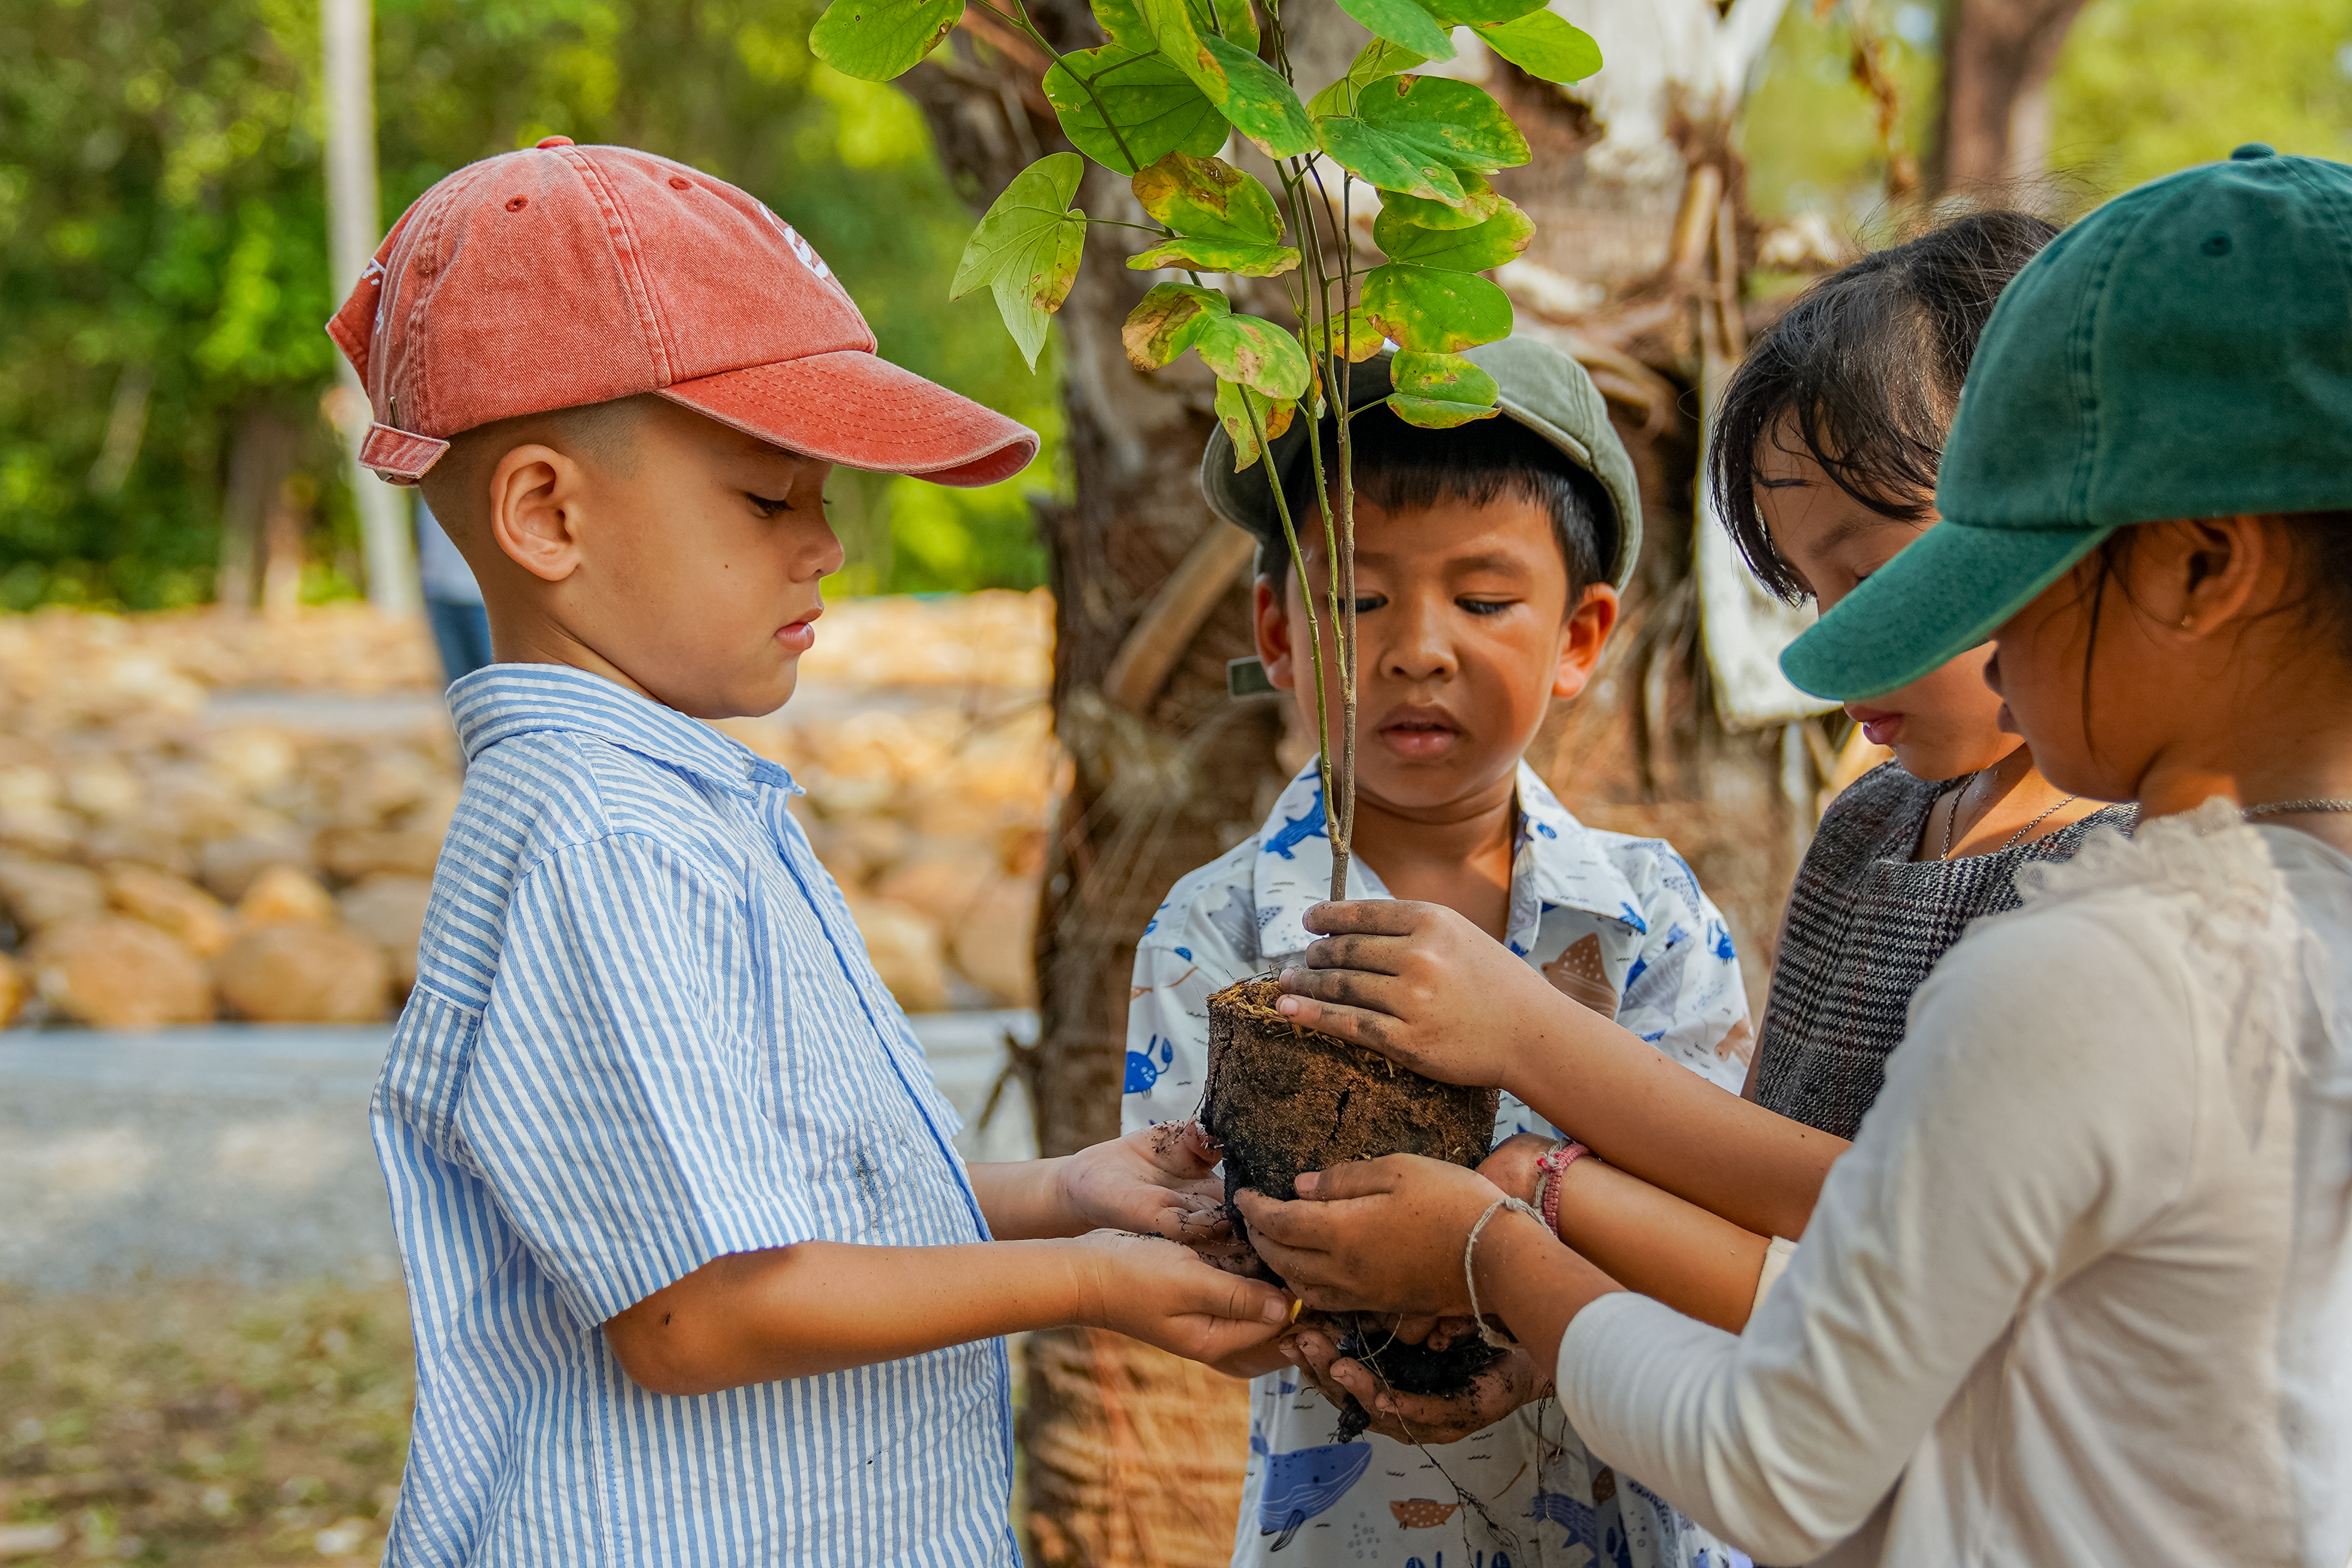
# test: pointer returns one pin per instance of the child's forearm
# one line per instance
(1652, 1119)
(1025, 1200)
(820, 1307)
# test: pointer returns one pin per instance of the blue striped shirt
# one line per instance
(646, 1034)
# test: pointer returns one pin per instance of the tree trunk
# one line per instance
(260, 458)
(1133, 1456)
(1994, 127)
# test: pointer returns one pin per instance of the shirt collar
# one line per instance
(505, 701)
(1557, 863)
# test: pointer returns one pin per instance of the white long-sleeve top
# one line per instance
(2081, 1292)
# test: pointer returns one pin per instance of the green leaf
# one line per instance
(1481, 202)
(878, 39)
(1235, 22)
(1438, 392)
(1377, 60)
(1226, 221)
(1170, 25)
(1233, 402)
(1168, 320)
(1430, 312)
(1543, 44)
(1391, 162)
(1473, 249)
(1403, 22)
(1480, 13)
(1154, 107)
(1255, 352)
(1026, 248)
(1451, 121)
(1261, 105)
(1353, 337)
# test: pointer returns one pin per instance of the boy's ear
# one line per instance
(1270, 619)
(536, 494)
(1584, 635)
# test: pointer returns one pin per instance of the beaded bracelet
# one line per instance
(1469, 1275)
(1548, 1171)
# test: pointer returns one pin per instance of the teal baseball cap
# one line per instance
(2186, 350)
(1538, 386)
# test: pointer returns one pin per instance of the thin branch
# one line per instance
(1305, 599)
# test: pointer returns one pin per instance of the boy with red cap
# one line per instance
(696, 1273)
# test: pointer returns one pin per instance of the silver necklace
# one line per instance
(2289, 808)
(2017, 837)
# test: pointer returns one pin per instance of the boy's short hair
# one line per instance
(1398, 465)
(1867, 366)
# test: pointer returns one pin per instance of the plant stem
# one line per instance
(1306, 599)
(1345, 243)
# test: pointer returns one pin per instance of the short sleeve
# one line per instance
(615, 1104)
(1685, 993)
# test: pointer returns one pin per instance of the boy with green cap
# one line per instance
(1488, 563)
(2079, 1291)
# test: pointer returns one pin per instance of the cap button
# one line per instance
(546, 141)
(2246, 153)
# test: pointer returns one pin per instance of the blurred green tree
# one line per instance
(163, 272)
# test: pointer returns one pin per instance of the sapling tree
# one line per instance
(1173, 83)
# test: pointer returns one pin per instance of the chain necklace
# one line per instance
(2017, 837)
(2289, 808)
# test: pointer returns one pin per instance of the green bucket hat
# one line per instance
(2186, 350)
(1541, 388)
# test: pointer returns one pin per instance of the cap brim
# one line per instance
(1945, 594)
(861, 411)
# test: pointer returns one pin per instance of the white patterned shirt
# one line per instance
(646, 1034)
(1618, 922)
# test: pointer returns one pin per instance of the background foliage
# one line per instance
(160, 215)
(161, 220)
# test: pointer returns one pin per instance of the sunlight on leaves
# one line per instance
(1027, 247)
(1430, 311)
(1439, 391)
(1226, 221)
(879, 39)
(1544, 45)
(1154, 109)
(1474, 250)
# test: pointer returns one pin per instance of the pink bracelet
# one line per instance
(1548, 1171)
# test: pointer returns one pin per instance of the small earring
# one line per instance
(2187, 622)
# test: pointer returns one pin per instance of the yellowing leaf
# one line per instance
(877, 39)
(1480, 202)
(1026, 248)
(1439, 391)
(1255, 352)
(1374, 62)
(1261, 105)
(1352, 337)
(1226, 221)
(1235, 405)
(1450, 121)
(1168, 320)
(1430, 312)
(1474, 250)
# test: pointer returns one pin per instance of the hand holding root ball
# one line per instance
(1433, 1419)
(1162, 1294)
(1422, 987)
(1159, 1181)
(1375, 1235)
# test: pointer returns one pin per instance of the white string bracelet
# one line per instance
(1470, 1249)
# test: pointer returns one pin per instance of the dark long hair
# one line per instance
(1867, 366)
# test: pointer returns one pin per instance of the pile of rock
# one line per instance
(159, 869)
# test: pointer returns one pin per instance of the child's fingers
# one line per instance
(1374, 917)
(1374, 1031)
(1365, 955)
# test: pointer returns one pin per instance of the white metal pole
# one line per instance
(347, 29)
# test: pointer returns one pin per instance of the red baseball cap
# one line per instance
(560, 275)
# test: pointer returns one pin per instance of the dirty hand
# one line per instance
(1374, 1235)
(1422, 987)
(1159, 1182)
(1159, 1292)
(1431, 1418)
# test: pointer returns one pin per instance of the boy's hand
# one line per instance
(1159, 1292)
(1158, 1181)
(1422, 987)
(1418, 1418)
(1374, 1235)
